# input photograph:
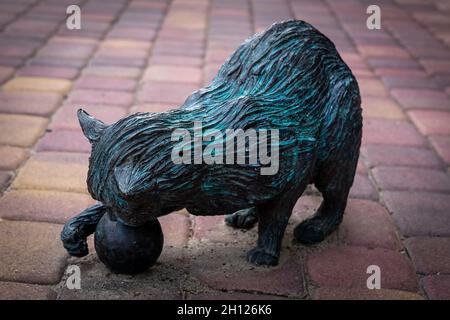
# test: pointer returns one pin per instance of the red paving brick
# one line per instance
(153, 107)
(442, 146)
(437, 287)
(176, 229)
(391, 155)
(65, 117)
(106, 83)
(218, 295)
(165, 92)
(149, 57)
(222, 269)
(357, 229)
(411, 179)
(431, 122)
(64, 140)
(30, 103)
(434, 66)
(364, 294)
(112, 97)
(363, 188)
(346, 267)
(60, 62)
(419, 213)
(103, 61)
(377, 131)
(405, 83)
(430, 255)
(51, 72)
(422, 98)
(5, 73)
(382, 51)
(5, 179)
(213, 229)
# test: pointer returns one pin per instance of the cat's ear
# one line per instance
(92, 128)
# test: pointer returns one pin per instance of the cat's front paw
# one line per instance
(259, 256)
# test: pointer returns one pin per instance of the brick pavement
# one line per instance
(144, 55)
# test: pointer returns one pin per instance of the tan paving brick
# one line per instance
(21, 131)
(24, 291)
(381, 107)
(31, 252)
(66, 50)
(125, 43)
(40, 84)
(160, 282)
(173, 74)
(45, 206)
(11, 157)
(371, 87)
(54, 171)
(186, 20)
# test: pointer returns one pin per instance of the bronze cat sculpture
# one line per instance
(289, 78)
